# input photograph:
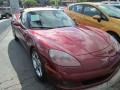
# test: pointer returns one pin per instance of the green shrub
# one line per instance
(29, 3)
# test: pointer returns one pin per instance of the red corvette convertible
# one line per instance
(75, 57)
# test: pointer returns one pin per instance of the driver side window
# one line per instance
(91, 11)
(77, 8)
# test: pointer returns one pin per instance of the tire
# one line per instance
(38, 66)
(1, 17)
(7, 16)
(115, 36)
(15, 37)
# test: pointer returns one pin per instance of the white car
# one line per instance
(113, 3)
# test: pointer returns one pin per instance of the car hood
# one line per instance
(74, 40)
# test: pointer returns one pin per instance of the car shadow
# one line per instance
(22, 64)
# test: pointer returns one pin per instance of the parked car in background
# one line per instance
(105, 17)
(74, 57)
(5, 12)
(112, 3)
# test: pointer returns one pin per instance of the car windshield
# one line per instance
(117, 6)
(110, 10)
(49, 19)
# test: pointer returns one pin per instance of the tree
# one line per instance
(78, 1)
(55, 2)
(29, 3)
(1, 2)
(83, 0)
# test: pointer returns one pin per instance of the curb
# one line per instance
(1, 21)
(4, 24)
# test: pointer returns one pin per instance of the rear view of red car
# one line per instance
(75, 57)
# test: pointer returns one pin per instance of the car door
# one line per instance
(89, 12)
(21, 29)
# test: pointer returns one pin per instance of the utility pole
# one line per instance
(14, 5)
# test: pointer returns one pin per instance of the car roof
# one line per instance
(97, 3)
(110, 2)
(89, 3)
(92, 3)
(38, 9)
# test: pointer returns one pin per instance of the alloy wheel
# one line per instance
(37, 64)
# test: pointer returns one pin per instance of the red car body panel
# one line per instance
(93, 48)
(83, 44)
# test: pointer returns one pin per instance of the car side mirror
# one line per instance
(75, 21)
(16, 23)
(97, 17)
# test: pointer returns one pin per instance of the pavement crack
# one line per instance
(6, 81)
(11, 86)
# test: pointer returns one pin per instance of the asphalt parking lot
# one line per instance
(16, 72)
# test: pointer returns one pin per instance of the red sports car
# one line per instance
(75, 57)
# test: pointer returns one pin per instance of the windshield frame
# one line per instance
(43, 27)
(109, 10)
(117, 6)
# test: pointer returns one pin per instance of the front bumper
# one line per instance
(100, 83)
(107, 85)
(78, 81)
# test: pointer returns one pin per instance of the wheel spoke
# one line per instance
(40, 71)
(34, 64)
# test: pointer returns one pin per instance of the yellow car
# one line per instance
(97, 15)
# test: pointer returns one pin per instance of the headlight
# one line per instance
(62, 58)
(115, 43)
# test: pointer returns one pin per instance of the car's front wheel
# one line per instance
(38, 65)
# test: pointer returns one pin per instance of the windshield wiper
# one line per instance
(43, 27)
(62, 26)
